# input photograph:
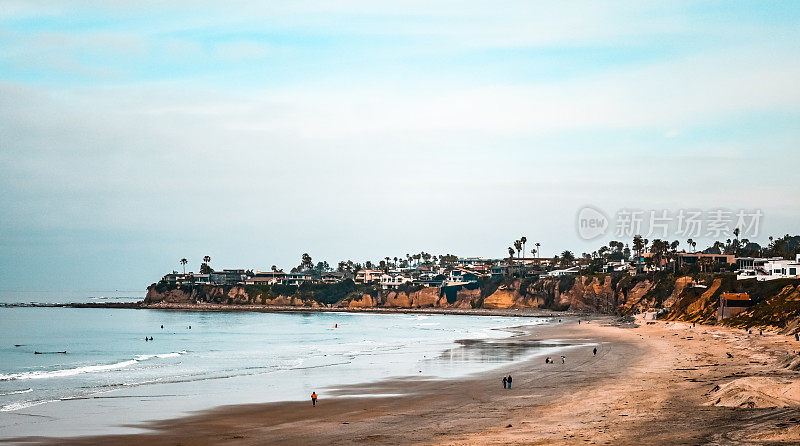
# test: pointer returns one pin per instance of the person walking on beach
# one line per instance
(509, 381)
(563, 359)
(505, 382)
(314, 399)
(594, 351)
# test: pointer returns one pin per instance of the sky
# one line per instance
(133, 134)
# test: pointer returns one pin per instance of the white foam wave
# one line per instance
(23, 405)
(16, 392)
(43, 374)
(159, 356)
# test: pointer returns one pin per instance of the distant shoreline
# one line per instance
(522, 312)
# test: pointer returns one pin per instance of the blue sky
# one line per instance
(134, 135)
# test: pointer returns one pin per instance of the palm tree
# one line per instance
(538, 253)
(691, 243)
(205, 268)
(184, 262)
(638, 244)
(567, 257)
(524, 240)
(518, 246)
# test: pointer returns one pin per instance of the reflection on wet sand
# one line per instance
(496, 350)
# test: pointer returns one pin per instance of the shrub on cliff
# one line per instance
(761, 290)
(327, 293)
(489, 286)
(664, 285)
(565, 283)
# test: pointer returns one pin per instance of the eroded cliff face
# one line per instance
(237, 295)
(691, 299)
(584, 294)
(589, 294)
(432, 297)
(516, 294)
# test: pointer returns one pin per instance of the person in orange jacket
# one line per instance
(314, 399)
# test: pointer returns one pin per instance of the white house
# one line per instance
(779, 269)
(461, 275)
(393, 281)
(564, 272)
(368, 275)
(266, 278)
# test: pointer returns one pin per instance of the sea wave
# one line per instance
(45, 374)
(16, 392)
(23, 405)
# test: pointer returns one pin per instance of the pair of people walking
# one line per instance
(507, 382)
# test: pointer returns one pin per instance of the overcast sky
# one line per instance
(134, 135)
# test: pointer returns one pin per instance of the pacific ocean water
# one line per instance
(110, 379)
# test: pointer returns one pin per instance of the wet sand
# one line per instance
(658, 383)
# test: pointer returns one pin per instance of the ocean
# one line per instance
(110, 379)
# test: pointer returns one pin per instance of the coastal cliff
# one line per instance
(678, 298)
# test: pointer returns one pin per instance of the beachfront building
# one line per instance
(279, 278)
(752, 267)
(477, 261)
(332, 277)
(266, 278)
(228, 277)
(461, 275)
(482, 270)
(429, 282)
(731, 304)
(393, 281)
(176, 279)
(565, 272)
(781, 269)
(181, 279)
(368, 275)
(202, 278)
(539, 261)
(656, 263)
(618, 266)
(297, 279)
(684, 258)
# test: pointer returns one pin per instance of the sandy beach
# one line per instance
(656, 383)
